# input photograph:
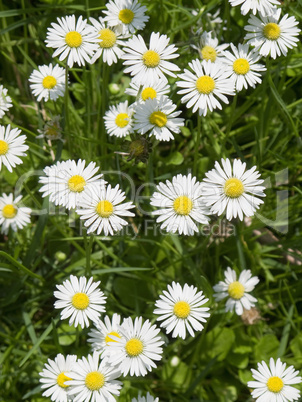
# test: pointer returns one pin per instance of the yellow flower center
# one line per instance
(76, 183)
(275, 384)
(241, 66)
(61, 380)
(108, 38)
(208, 53)
(9, 211)
(80, 301)
(182, 309)
(148, 93)
(104, 209)
(151, 59)
(122, 120)
(94, 380)
(158, 118)
(134, 347)
(233, 188)
(3, 147)
(73, 39)
(108, 339)
(271, 31)
(183, 205)
(126, 16)
(49, 82)
(236, 290)
(205, 84)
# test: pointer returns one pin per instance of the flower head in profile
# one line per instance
(265, 7)
(209, 48)
(148, 398)
(11, 147)
(48, 82)
(274, 382)
(118, 120)
(5, 101)
(52, 129)
(237, 291)
(12, 215)
(144, 92)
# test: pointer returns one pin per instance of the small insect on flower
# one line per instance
(5, 101)
(12, 215)
(11, 147)
(48, 82)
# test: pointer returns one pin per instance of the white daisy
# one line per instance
(102, 210)
(129, 14)
(5, 101)
(12, 215)
(148, 398)
(118, 120)
(147, 65)
(67, 182)
(270, 36)
(139, 346)
(48, 82)
(94, 380)
(76, 40)
(80, 300)
(274, 382)
(180, 310)
(180, 205)
(160, 87)
(243, 66)
(265, 7)
(54, 375)
(158, 116)
(237, 291)
(11, 147)
(52, 129)
(203, 88)
(232, 189)
(209, 49)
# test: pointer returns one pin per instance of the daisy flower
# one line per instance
(265, 7)
(5, 101)
(54, 375)
(180, 310)
(94, 380)
(243, 66)
(118, 120)
(52, 129)
(274, 382)
(203, 88)
(237, 291)
(76, 40)
(270, 36)
(139, 346)
(67, 182)
(11, 215)
(155, 91)
(102, 210)
(48, 82)
(159, 117)
(80, 300)
(129, 14)
(11, 147)
(180, 205)
(209, 49)
(147, 65)
(232, 189)
(148, 398)
(110, 40)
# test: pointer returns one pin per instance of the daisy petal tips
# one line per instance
(12, 145)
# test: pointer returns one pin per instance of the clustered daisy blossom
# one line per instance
(11, 147)
(48, 82)
(12, 215)
(5, 101)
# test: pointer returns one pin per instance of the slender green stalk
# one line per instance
(239, 246)
(103, 108)
(197, 145)
(88, 241)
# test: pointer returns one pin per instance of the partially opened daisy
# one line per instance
(11, 147)
(233, 189)
(180, 205)
(243, 66)
(12, 215)
(48, 82)
(129, 14)
(159, 118)
(118, 120)
(180, 309)
(138, 348)
(94, 380)
(148, 398)
(147, 64)
(5, 101)
(206, 86)
(265, 7)
(155, 91)
(270, 36)
(102, 210)
(209, 48)
(81, 300)
(237, 291)
(274, 382)
(54, 375)
(73, 39)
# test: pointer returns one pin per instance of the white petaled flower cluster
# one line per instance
(5, 101)
(11, 147)
(48, 82)
(12, 215)
(209, 48)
